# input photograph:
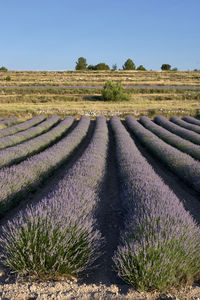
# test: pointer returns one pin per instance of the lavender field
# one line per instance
(101, 200)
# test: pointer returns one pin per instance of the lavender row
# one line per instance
(184, 133)
(9, 121)
(17, 153)
(22, 136)
(191, 120)
(21, 126)
(180, 163)
(184, 124)
(17, 179)
(172, 139)
(160, 241)
(65, 217)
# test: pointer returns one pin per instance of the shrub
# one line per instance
(3, 69)
(91, 67)
(141, 68)
(114, 92)
(129, 65)
(102, 66)
(166, 67)
(8, 78)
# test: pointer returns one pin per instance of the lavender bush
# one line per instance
(183, 165)
(176, 129)
(172, 139)
(17, 179)
(160, 242)
(22, 136)
(191, 120)
(9, 121)
(21, 126)
(184, 124)
(58, 236)
(17, 153)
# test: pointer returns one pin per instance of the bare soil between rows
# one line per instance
(102, 282)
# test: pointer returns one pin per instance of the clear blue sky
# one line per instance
(52, 34)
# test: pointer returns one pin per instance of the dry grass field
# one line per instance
(29, 93)
(93, 78)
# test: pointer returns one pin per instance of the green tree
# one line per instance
(91, 67)
(141, 68)
(102, 66)
(81, 64)
(3, 69)
(165, 67)
(129, 65)
(114, 92)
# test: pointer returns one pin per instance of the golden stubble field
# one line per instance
(47, 92)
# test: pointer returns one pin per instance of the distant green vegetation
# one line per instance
(129, 65)
(114, 92)
(3, 69)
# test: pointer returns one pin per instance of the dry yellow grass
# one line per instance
(26, 103)
(80, 78)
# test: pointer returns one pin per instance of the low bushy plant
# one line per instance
(160, 241)
(114, 92)
(35, 246)
(8, 78)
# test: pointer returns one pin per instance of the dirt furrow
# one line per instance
(110, 220)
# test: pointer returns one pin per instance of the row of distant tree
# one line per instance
(81, 64)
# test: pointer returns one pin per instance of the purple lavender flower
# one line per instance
(176, 129)
(183, 165)
(184, 124)
(21, 126)
(20, 137)
(160, 241)
(21, 151)
(58, 235)
(17, 179)
(172, 139)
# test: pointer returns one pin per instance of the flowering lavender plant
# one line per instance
(172, 139)
(21, 151)
(160, 242)
(21, 126)
(9, 121)
(176, 129)
(192, 120)
(18, 179)
(184, 124)
(57, 237)
(182, 164)
(22, 136)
